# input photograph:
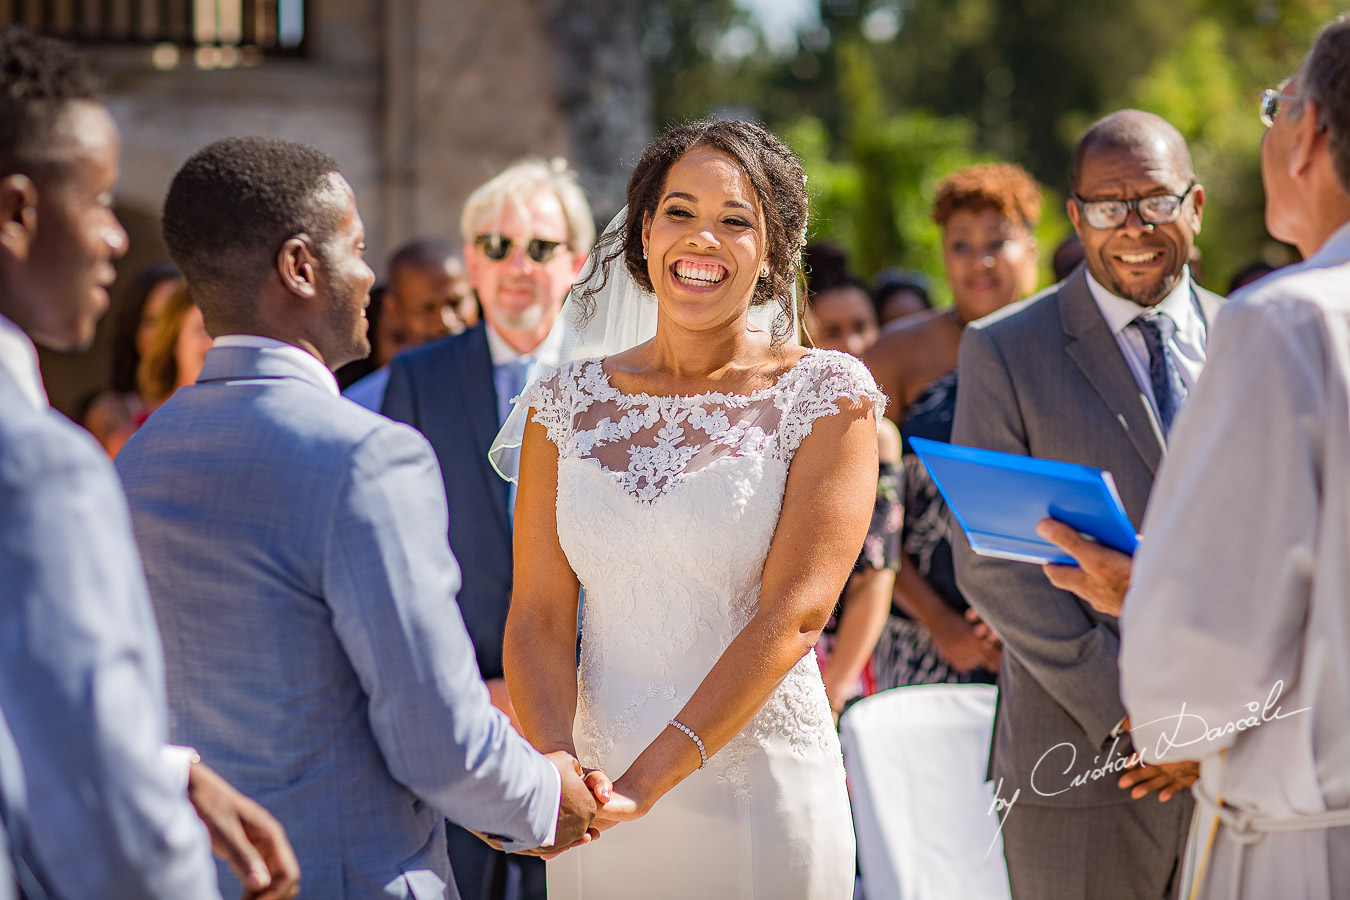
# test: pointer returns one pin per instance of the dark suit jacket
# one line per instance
(445, 390)
(1046, 378)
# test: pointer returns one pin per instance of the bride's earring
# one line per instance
(644, 252)
(764, 272)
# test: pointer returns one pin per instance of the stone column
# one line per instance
(470, 86)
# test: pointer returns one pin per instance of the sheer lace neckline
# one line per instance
(653, 441)
(704, 396)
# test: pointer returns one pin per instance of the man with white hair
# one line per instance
(526, 235)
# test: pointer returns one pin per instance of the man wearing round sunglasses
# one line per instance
(1091, 371)
(526, 234)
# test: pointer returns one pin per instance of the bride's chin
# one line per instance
(703, 316)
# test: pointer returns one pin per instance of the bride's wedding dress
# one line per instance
(666, 509)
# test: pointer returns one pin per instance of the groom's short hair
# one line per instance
(231, 207)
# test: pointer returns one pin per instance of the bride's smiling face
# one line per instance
(705, 241)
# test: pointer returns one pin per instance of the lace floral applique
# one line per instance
(600, 736)
(799, 710)
(809, 390)
(651, 469)
(822, 387)
(593, 684)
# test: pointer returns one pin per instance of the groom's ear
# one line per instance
(298, 267)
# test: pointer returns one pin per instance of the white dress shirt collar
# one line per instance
(1337, 246)
(1119, 312)
(548, 352)
(18, 357)
(1186, 344)
(309, 361)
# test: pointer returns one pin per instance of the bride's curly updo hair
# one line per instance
(774, 172)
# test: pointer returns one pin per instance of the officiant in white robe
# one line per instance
(1235, 633)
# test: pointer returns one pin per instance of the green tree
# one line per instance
(874, 195)
(1208, 86)
(883, 97)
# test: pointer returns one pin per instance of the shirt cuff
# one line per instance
(556, 806)
(178, 761)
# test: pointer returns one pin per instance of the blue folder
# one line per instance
(998, 498)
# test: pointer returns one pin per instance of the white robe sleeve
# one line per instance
(1214, 618)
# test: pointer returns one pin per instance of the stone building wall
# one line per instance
(419, 101)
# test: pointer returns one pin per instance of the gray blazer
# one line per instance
(295, 549)
(82, 678)
(1046, 378)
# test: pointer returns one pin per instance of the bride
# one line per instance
(709, 490)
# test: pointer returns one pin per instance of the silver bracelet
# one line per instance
(702, 754)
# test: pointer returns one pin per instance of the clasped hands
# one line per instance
(589, 804)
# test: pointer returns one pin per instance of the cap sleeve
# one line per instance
(830, 382)
(542, 401)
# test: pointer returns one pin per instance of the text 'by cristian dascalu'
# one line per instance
(1056, 772)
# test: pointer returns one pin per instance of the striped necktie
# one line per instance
(1164, 376)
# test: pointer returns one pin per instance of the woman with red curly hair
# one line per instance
(988, 214)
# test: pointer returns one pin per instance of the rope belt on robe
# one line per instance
(1246, 828)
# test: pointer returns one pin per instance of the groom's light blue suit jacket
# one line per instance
(295, 549)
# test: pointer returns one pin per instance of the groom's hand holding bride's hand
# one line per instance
(618, 803)
(625, 802)
(582, 793)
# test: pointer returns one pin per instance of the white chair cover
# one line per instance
(916, 760)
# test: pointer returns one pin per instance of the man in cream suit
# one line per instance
(91, 806)
(295, 548)
(1071, 375)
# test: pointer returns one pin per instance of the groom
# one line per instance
(294, 544)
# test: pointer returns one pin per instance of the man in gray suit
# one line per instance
(295, 549)
(1090, 371)
(1238, 597)
(82, 706)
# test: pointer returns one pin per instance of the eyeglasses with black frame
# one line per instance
(1155, 209)
(497, 248)
(1270, 104)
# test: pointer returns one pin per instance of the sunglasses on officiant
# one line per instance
(497, 248)
(1155, 209)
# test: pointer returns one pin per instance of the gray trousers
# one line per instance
(1130, 851)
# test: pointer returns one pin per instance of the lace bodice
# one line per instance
(666, 509)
